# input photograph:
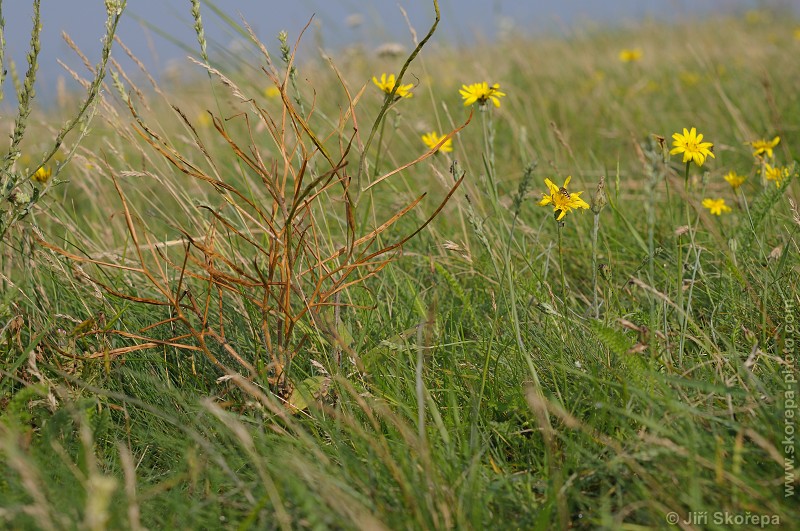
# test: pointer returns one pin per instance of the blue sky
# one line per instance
(462, 22)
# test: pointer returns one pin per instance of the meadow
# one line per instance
(501, 286)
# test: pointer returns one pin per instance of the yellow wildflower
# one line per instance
(562, 200)
(481, 93)
(775, 173)
(689, 79)
(204, 119)
(42, 175)
(716, 206)
(754, 16)
(272, 92)
(432, 139)
(692, 146)
(387, 84)
(633, 55)
(734, 179)
(762, 147)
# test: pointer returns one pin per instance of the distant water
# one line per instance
(152, 27)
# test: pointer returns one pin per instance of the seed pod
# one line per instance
(599, 199)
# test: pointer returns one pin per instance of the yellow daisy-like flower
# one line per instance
(754, 16)
(272, 92)
(633, 55)
(689, 79)
(797, 34)
(432, 139)
(387, 83)
(716, 206)
(775, 173)
(204, 119)
(692, 146)
(481, 93)
(562, 199)
(42, 175)
(764, 147)
(734, 179)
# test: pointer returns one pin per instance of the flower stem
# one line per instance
(380, 147)
(561, 268)
(488, 147)
(595, 230)
(686, 177)
(679, 301)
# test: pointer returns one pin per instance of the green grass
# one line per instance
(479, 385)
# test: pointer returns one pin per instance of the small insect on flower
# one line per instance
(42, 175)
(481, 93)
(716, 206)
(764, 147)
(386, 84)
(563, 200)
(692, 146)
(432, 139)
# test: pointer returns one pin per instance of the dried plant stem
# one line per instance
(293, 277)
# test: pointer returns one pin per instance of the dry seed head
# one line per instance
(390, 49)
(114, 7)
(605, 271)
(599, 199)
(662, 144)
(354, 20)
(795, 212)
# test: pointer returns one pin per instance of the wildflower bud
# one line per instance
(605, 271)
(644, 335)
(662, 145)
(20, 198)
(599, 199)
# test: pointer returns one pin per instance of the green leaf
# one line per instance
(614, 340)
(308, 391)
